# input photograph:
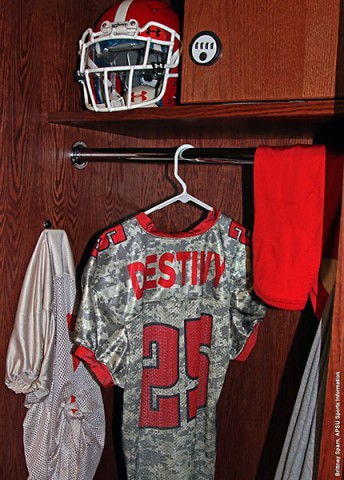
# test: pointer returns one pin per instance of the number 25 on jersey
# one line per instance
(163, 365)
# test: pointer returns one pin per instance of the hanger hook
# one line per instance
(178, 156)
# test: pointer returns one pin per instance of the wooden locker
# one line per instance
(270, 50)
(42, 118)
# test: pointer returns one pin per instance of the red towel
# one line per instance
(289, 186)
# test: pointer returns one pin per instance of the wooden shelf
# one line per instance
(236, 120)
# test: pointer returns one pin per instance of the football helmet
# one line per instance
(130, 59)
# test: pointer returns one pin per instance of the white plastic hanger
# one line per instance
(184, 196)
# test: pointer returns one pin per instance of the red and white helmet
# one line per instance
(130, 59)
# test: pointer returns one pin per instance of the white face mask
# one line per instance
(121, 67)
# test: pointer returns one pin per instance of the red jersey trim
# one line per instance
(249, 346)
(147, 224)
(99, 369)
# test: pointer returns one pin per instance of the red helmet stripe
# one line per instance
(122, 11)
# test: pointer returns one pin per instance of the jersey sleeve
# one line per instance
(30, 350)
(247, 309)
(100, 336)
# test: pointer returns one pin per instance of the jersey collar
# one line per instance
(148, 225)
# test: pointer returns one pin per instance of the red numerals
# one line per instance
(115, 235)
(197, 339)
(240, 233)
(160, 373)
(160, 402)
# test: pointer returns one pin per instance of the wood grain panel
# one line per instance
(11, 259)
(270, 50)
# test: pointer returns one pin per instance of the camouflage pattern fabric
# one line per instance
(165, 314)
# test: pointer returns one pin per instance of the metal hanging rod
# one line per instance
(81, 154)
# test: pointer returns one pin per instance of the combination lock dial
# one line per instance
(205, 48)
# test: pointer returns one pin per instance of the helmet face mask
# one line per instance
(125, 65)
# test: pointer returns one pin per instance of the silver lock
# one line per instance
(205, 48)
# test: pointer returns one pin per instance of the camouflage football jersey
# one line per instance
(162, 315)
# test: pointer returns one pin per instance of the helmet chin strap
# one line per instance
(122, 11)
